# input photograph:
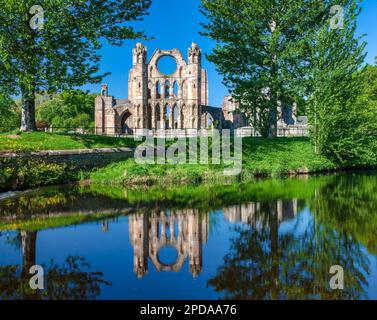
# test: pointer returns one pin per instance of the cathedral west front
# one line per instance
(156, 100)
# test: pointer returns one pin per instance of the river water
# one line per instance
(269, 239)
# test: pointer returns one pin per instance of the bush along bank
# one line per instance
(26, 170)
(18, 173)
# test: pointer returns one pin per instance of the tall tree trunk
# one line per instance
(28, 110)
(272, 110)
(272, 123)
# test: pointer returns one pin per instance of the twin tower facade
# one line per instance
(157, 100)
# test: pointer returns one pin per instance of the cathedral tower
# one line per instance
(194, 73)
(138, 85)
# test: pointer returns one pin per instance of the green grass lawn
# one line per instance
(282, 155)
(261, 157)
(37, 141)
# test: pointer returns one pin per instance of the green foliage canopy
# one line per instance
(344, 127)
(9, 113)
(69, 109)
(64, 53)
(263, 51)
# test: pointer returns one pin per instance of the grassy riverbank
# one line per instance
(261, 158)
(23, 173)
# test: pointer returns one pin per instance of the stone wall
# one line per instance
(81, 159)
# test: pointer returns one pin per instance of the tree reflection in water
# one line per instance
(72, 280)
(266, 262)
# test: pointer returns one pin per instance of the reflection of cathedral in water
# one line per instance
(186, 231)
(254, 212)
(183, 230)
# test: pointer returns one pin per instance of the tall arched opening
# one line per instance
(127, 123)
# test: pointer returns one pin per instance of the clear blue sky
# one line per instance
(175, 24)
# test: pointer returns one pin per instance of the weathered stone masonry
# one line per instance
(153, 102)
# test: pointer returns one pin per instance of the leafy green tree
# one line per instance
(9, 115)
(69, 109)
(367, 77)
(59, 51)
(262, 52)
(342, 129)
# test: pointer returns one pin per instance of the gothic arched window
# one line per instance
(175, 89)
(158, 90)
(167, 89)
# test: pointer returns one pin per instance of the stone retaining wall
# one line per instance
(82, 158)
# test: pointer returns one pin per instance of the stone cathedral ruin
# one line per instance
(172, 101)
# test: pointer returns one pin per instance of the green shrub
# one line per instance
(21, 173)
